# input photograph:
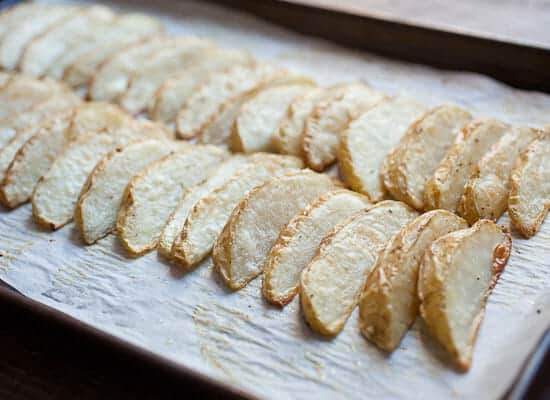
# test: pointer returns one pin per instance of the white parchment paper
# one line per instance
(236, 337)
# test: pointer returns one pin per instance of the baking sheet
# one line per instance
(237, 337)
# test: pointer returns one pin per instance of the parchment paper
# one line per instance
(237, 337)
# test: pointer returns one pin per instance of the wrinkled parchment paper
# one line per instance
(236, 337)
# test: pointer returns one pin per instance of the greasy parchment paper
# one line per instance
(238, 338)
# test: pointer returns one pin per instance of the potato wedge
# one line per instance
(242, 248)
(445, 188)
(14, 41)
(16, 15)
(414, 160)
(389, 302)
(299, 240)
(154, 192)
(125, 26)
(94, 117)
(218, 129)
(81, 71)
(209, 215)
(328, 119)
(21, 93)
(57, 191)
(145, 80)
(113, 75)
(486, 192)
(287, 137)
(36, 116)
(529, 199)
(39, 152)
(4, 78)
(47, 48)
(177, 219)
(174, 92)
(457, 274)
(259, 116)
(367, 140)
(331, 284)
(32, 159)
(101, 196)
(207, 102)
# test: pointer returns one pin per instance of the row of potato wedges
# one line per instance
(258, 213)
(385, 146)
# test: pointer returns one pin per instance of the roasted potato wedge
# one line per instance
(37, 154)
(112, 77)
(125, 27)
(15, 40)
(47, 48)
(155, 191)
(445, 188)
(288, 135)
(529, 199)
(414, 160)
(57, 191)
(175, 91)
(242, 248)
(16, 15)
(101, 196)
(177, 219)
(321, 133)
(21, 93)
(208, 101)
(165, 63)
(389, 302)
(457, 275)
(209, 215)
(367, 140)
(259, 116)
(332, 282)
(21, 124)
(486, 192)
(300, 238)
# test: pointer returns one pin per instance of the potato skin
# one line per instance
(433, 283)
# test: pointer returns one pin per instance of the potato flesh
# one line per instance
(367, 140)
(174, 92)
(192, 196)
(45, 50)
(414, 160)
(154, 193)
(165, 63)
(209, 215)
(323, 126)
(445, 188)
(101, 197)
(287, 137)
(457, 274)
(112, 78)
(208, 100)
(259, 117)
(16, 15)
(529, 199)
(389, 303)
(257, 221)
(299, 240)
(331, 284)
(15, 40)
